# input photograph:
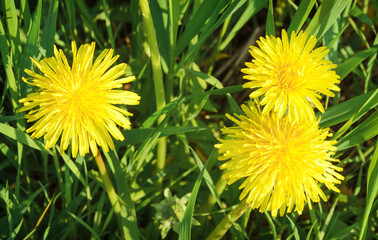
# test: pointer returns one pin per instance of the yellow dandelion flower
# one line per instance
(290, 74)
(281, 161)
(77, 103)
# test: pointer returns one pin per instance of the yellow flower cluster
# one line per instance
(77, 104)
(277, 146)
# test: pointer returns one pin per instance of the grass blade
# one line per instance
(301, 15)
(372, 191)
(326, 15)
(186, 224)
(48, 33)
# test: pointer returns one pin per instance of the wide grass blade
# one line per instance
(351, 63)
(301, 15)
(22, 137)
(363, 132)
(346, 110)
(326, 15)
(372, 191)
(49, 30)
(270, 28)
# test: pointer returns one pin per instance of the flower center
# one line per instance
(290, 77)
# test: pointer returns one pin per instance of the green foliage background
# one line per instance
(202, 45)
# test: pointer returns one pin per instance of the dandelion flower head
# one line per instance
(77, 104)
(281, 161)
(291, 75)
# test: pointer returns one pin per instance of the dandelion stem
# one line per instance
(113, 197)
(228, 220)
(157, 76)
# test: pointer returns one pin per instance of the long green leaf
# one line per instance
(345, 110)
(372, 191)
(348, 65)
(22, 137)
(270, 27)
(253, 7)
(186, 224)
(31, 47)
(301, 15)
(48, 33)
(326, 15)
(363, 132)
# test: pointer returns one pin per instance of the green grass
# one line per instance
(188, 79)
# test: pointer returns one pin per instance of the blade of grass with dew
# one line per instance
(22, 137)
(326, 15)
(186, 223)
(82, 222)
(252, 8)
(348, 65)
(301, 15)
(210, 28)
(49, 30)
(363, 132)
(372, 191)
(270, 28)
(344, 111)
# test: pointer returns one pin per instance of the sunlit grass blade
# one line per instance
(370, 103)
(301, 15)
(196, 23)
(372, 191)
(270, 28)
(351, 63)
(22, 137)
(294, 228)
(363, 132)
(326, 15)
(345, 110)
(214, 22)
(251, 9)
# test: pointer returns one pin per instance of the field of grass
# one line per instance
(186, 56)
